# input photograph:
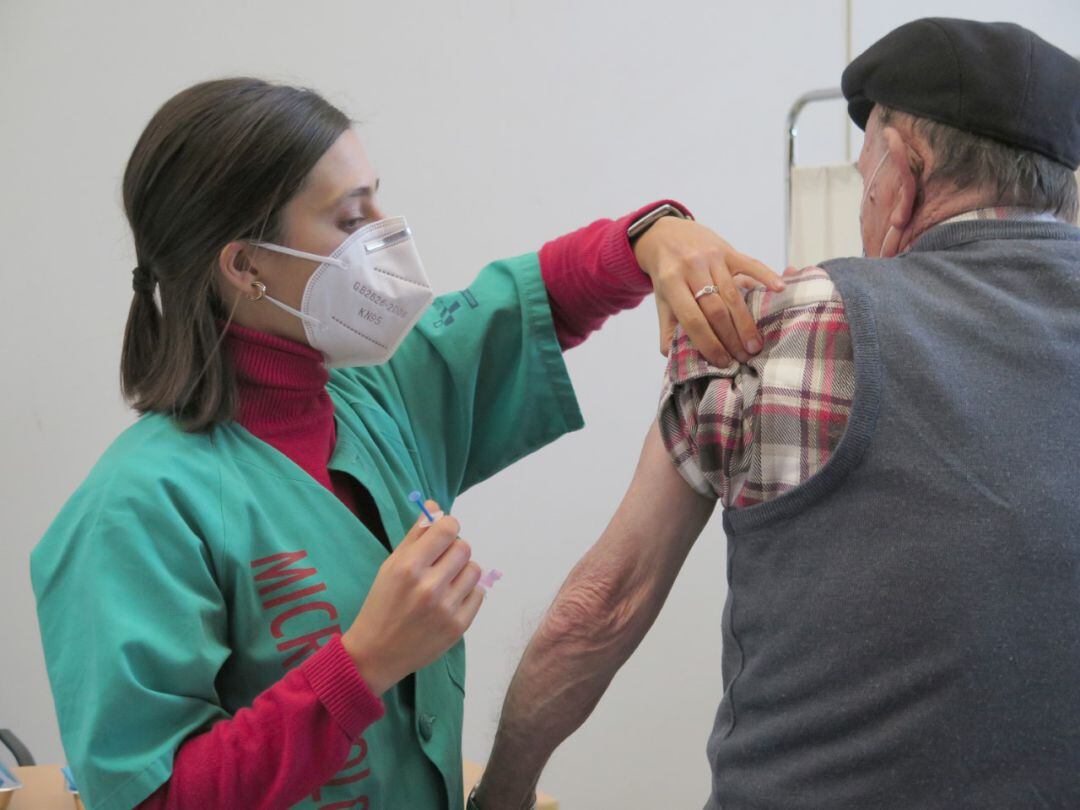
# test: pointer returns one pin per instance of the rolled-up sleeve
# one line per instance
(746, 433)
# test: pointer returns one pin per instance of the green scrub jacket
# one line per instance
(190, 571)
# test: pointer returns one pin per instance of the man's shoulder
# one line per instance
(808, 288)
(809, 303)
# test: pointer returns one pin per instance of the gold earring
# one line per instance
(260, 291)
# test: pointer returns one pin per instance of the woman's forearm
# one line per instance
(591, 274)
(293, 739)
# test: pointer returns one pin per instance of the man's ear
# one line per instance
(236, 269)
(900, 157)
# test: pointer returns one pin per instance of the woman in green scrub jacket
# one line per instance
(197, 565)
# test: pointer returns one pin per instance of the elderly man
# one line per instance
(899, 468)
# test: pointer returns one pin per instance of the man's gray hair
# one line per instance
(1015, 177)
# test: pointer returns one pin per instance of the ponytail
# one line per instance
(171, 360)
(142, 336)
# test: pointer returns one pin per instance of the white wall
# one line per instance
(495, 125)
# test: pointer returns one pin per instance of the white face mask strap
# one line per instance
(291, 311)
(874, 175)
(884, 239)
(300, 254)
(866, 193)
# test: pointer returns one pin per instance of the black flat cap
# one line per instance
(993, 79)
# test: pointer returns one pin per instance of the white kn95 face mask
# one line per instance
(362, 300)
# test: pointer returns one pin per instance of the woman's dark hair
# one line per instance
(217, 163)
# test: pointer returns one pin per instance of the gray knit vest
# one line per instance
(903, 629)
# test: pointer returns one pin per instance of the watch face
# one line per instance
(644, 222)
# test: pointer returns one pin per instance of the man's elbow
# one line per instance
(591, 614)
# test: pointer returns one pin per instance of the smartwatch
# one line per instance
(649, 218)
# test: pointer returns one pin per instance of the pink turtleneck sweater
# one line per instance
(297, 734)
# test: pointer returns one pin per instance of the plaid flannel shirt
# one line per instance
(748, 433)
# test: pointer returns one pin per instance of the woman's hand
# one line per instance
(682, 256)
(423, 600)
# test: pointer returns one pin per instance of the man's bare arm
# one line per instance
(601, 614)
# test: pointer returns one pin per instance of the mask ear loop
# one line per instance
(873, 177)
(884, 239)
(866, 193)
(260, 295)
(300, 254)
(260, 288)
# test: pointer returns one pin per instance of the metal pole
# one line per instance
(828, 94)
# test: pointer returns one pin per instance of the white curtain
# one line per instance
(825, 213)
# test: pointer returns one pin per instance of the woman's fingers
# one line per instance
(440, 556)
(422, 524)
(452, 561)
(694, 318)
(719, 323)
(749, 266)
(462, 585)
(470, 607)
(428, 542)
(682, 257)
(740, 335)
